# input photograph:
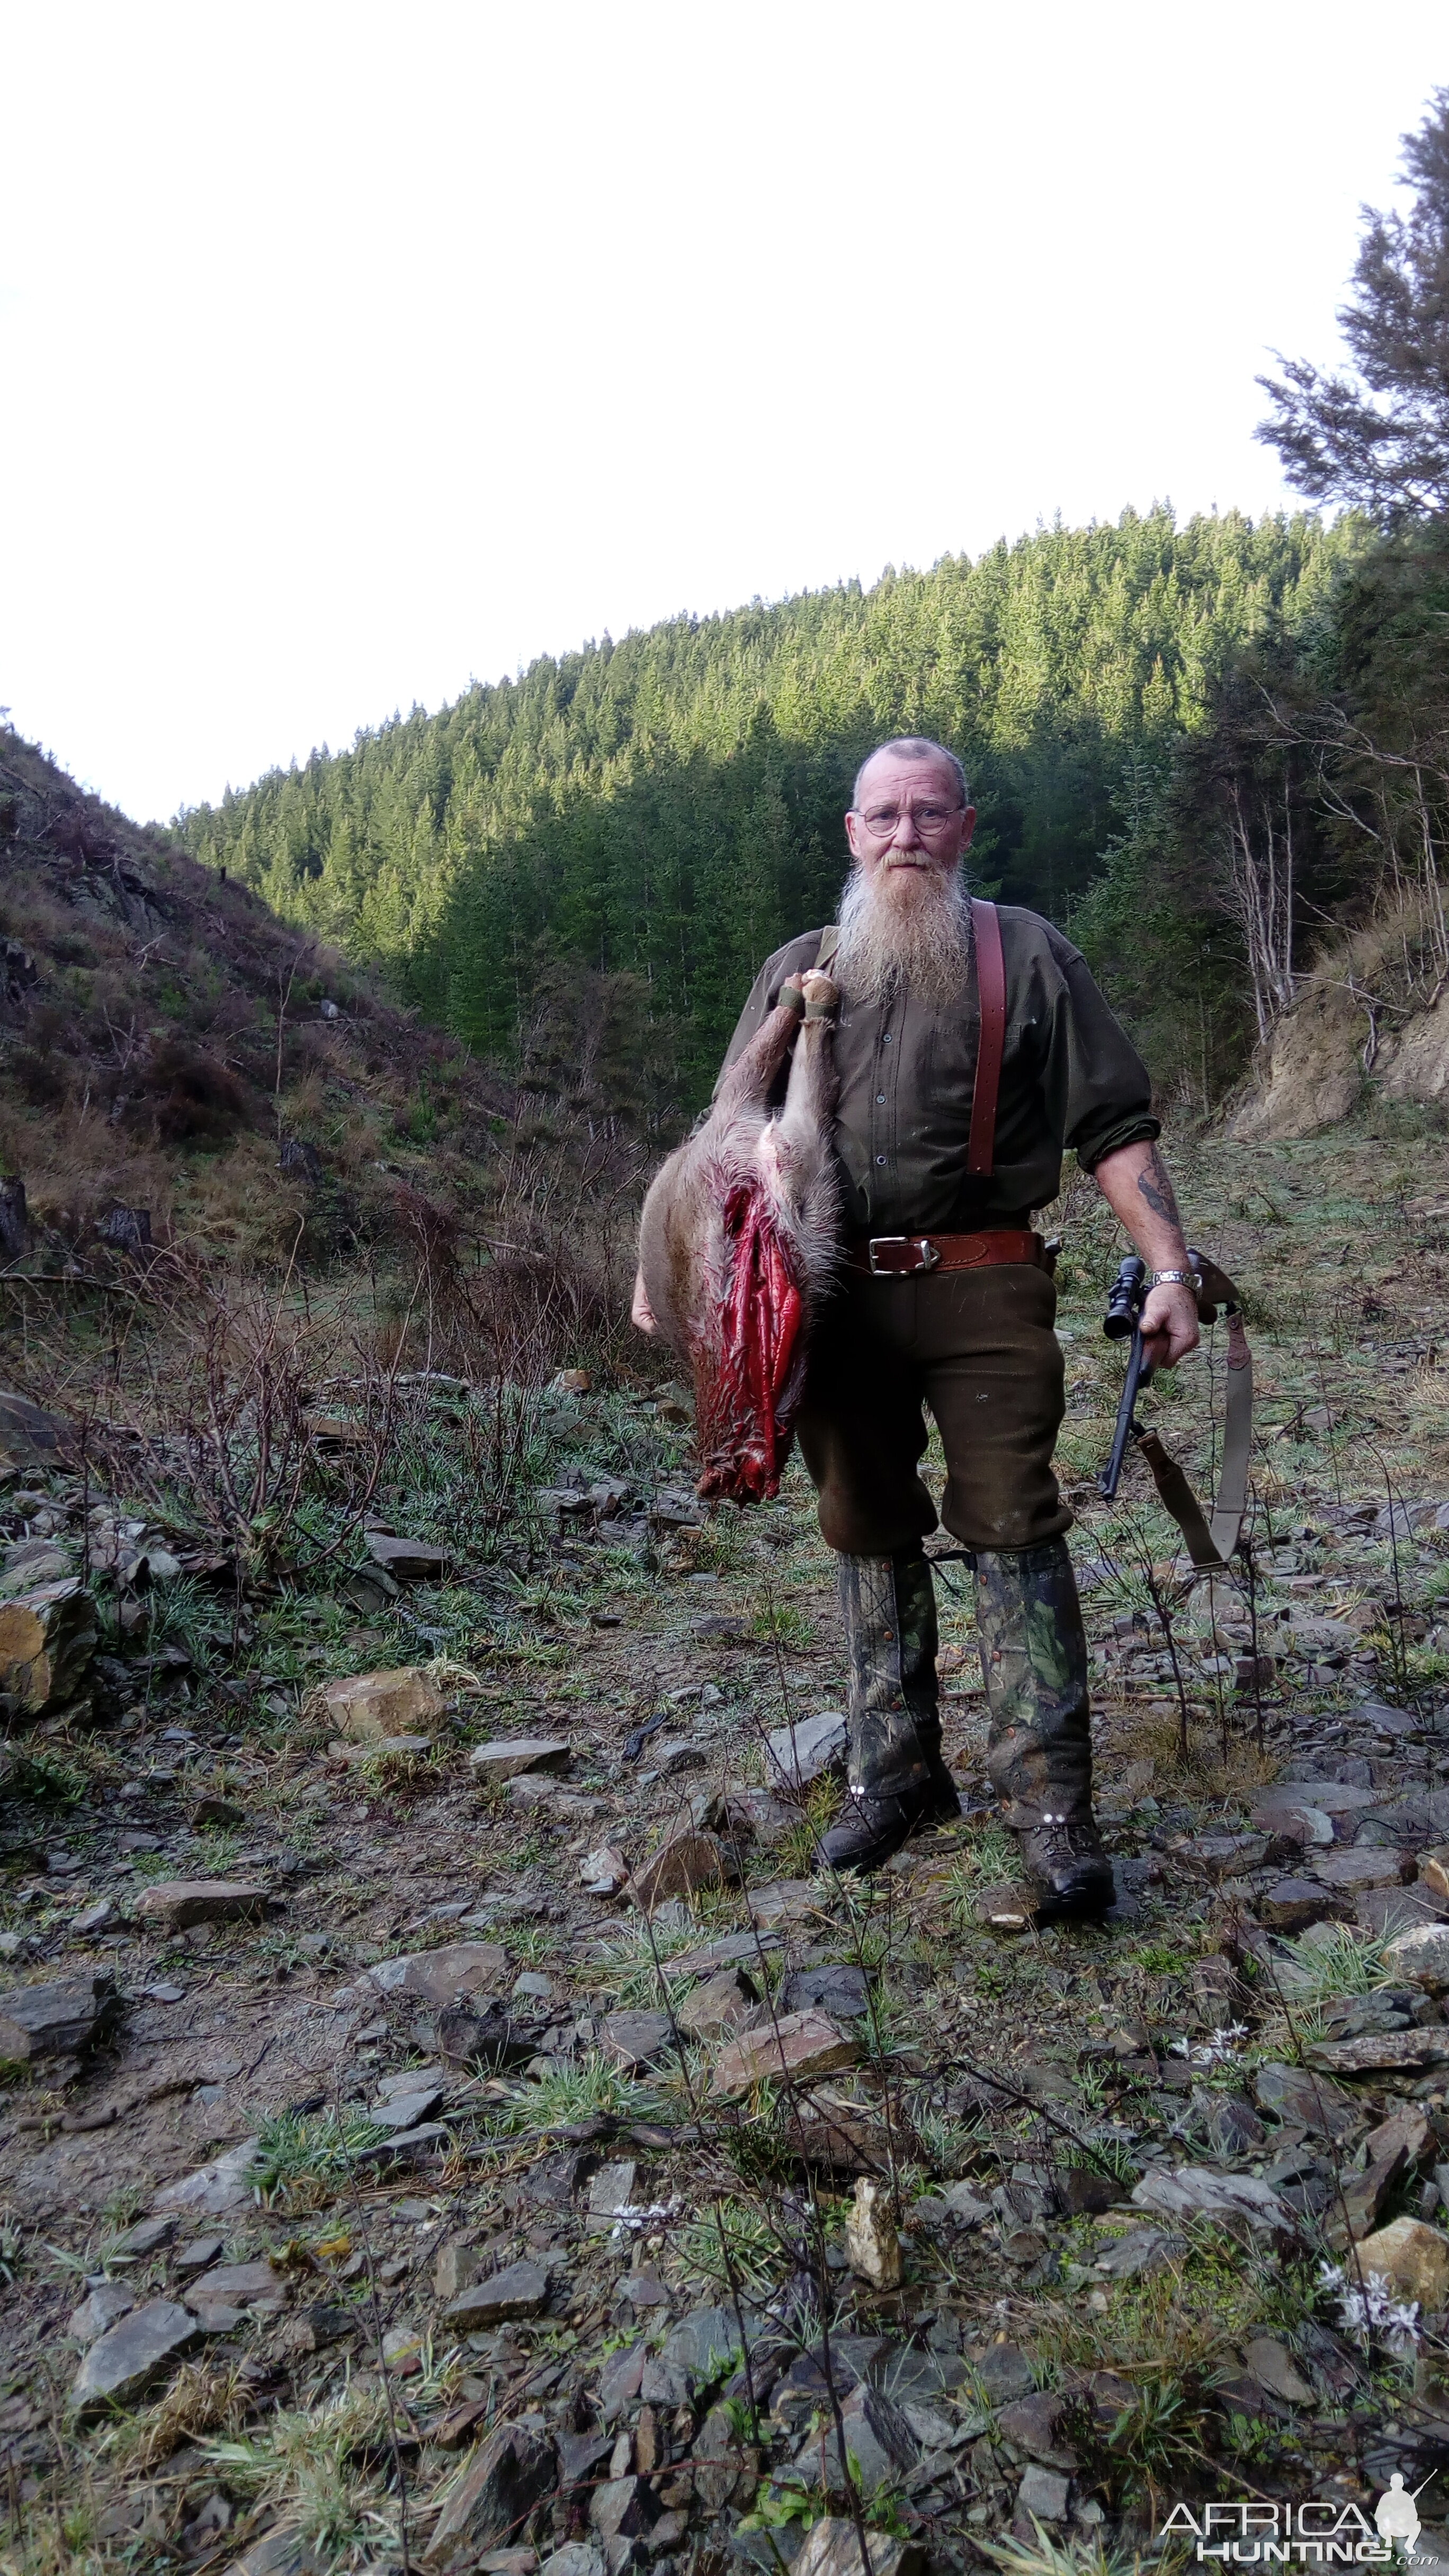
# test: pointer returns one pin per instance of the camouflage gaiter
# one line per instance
(890, 1627)
(1034, 1664)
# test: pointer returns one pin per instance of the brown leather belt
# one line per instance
(902, 1256)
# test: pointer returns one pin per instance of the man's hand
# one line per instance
(641, 1312)
(1169, 1326)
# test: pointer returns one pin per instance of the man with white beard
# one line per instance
(945, 1303)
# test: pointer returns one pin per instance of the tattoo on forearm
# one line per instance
(1156, 1188)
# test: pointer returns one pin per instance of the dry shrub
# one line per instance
(188, 1096)
(199, 2400)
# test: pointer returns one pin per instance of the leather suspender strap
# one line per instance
(991, 1044)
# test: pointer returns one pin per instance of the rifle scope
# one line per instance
(1125, 1300)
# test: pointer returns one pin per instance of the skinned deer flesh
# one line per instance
(738, 1244)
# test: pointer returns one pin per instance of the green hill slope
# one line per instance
(666, 809)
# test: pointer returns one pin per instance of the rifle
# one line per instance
(1209, 1546)
(1125, 1301)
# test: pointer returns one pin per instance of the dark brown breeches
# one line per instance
(977, 1349)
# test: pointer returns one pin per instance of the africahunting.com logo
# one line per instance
(1324, 2532)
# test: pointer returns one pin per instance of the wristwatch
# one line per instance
(1176, 1279)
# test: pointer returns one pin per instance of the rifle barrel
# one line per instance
(1137, 1376)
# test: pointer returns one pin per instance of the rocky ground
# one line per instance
(449, 2120)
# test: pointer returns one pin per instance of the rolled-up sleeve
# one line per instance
(1102, 1087)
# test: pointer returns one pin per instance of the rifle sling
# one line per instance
(1211, 1544)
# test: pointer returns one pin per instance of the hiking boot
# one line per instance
(1066, 1867)
(1034, 1664)
(874, 1823)
(897, 1774)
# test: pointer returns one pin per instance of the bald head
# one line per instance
(914, 749)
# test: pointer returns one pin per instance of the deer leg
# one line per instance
(800, 1133)
(747, 1084)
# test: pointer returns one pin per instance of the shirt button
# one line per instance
(880, 1158)
(885, 1037)
(880, 1100)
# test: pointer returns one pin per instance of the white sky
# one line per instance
(352, 351)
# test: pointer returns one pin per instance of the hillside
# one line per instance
(169, 1046)
(666, 809)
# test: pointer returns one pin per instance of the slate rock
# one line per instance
(519, 2291)
(514, 1755)
(403, 2144)
(104, 2308)
(1291, 1904)
(1388, 1910)
(1141, 2250)
(685, 1862)
(611, 2189)
(579, 2454)
(237, 2285)
(619, 2382)
(488, 2037)
(1034, 2425)
(1043, 2496)
(407, 1560)
(1272, 2365)
(148, 2236)
(837, 1989)
(1293, 2093)
(495, 2491)
(797, 2047)
(1358, 1867)
(703, 2346)
(576, 2558)
(1002, 2373)
(623, 2509)
(878, 2440)
(965, 2205)
(635, 2040)
(1230, 2127)
(63, 2019)
(133, 2353)
(1380, 2052)
(443, 1977)
(725, 2472)
(724, 2002)
(407, 2110)
(1194, 2191)
(177, 1904)
(796, 1755)
(1084, 2193)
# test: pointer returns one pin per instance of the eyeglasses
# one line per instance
(882, 820)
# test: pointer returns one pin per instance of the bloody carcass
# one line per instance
(738, 1242)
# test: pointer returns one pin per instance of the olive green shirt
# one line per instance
(1069, 1077)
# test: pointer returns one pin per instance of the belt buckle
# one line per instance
(928, 1258)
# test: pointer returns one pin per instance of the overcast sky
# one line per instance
(354, 351)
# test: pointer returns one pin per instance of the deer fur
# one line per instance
(690, 1234)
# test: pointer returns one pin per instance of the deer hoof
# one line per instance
(821, 995)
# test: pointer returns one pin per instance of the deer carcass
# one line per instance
(738, 1243)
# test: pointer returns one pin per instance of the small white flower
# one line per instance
(1220, 2048)
(1370, 2307)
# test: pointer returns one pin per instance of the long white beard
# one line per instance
(905, 925)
